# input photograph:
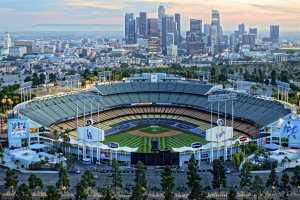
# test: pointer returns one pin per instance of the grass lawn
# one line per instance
(144, 143)
(154, 129)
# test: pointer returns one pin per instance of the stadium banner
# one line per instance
(219, 134)
(90, 134)
(18, 130)
(290, 130)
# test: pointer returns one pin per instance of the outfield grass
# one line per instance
(154, 129)
(144, 143)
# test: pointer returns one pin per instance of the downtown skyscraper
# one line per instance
(216, 33)
(142, 25)
(177, 29)
(130, 29)
(274, 33)
(194, 40)
(168, 29)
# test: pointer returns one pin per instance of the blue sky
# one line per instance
(33, 14)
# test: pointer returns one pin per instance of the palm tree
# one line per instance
(1, 153)
(284, 161)
(298, 98)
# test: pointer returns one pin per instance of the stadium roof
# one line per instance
(173, 87)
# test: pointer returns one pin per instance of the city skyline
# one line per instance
(109, 16)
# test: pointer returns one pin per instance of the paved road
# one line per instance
(103, 176)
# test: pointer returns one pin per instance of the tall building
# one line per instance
(152, 28)
(274, 33)
(7, 41)
(161, 12)
(130, 29)
(7, 44)
(25, 43)
(177, 29)
(234, 41)
(142, 24)
(168, 27)
(249, 39)
(253, 31)
(216, 33)
(194, 40)
(195, 25)
(154, 45)
(242, 29)
(215, 18)
(194, 43)
(206, 29)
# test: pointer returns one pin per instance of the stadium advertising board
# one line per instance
(219, 134)
(196, 145)
(90, 134)
(18, 129)
(113, 145)
(243, 138)
(291, 130)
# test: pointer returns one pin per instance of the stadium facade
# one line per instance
(120, 106)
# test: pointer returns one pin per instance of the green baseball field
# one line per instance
(167, 138)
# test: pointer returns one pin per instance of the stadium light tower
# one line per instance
(25, 91)
(283, 91)
(221, 98)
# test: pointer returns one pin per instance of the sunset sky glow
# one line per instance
(23, 14)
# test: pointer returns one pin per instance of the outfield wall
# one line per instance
(97, 155)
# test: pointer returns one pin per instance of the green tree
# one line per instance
(194, 181)
(219, 177)
(1, 148)
(11, 179)
(42, 78)
(35, 182)
(238, 159)
(284, 186)
(63, 179)
(284, 76)
(116, 176)
(223, 76)
(107, 195)
(167, 183)
(245, 177)
(52, 77)
(88, 179)
(214, 74)
(261, 76)
(35, 79)
(27, 79)
(272, 180)
(52, 193)
(140, 187)
(81, 191)
(23, 193)
(273, 77)
(257, 187)
(296, 178)
(231, 194)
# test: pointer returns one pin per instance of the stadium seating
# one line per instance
(109, 102)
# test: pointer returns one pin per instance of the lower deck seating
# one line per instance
(107, 119)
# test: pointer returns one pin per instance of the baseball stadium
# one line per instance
(147, 117)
